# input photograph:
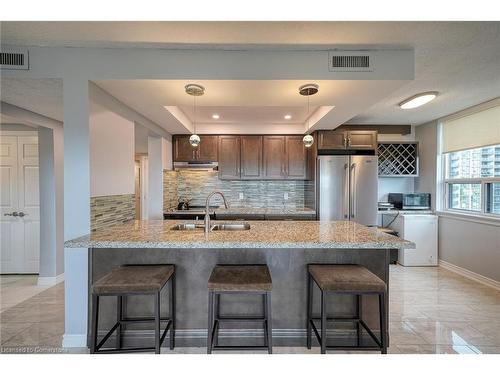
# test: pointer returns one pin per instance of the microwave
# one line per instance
(411, 201)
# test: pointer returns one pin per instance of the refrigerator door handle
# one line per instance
(353, 190)
(346, 191)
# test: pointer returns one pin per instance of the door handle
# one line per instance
(22, 214)
(346, 191)
(12, 214)
(353, 190)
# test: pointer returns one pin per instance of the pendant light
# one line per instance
(194, 90)
(308, 90)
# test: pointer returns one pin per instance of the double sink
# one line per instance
(215, 227)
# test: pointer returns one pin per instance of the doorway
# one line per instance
(19, 203)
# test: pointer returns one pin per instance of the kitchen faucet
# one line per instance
(207, 214)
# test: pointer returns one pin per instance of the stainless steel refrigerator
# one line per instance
(348, 188)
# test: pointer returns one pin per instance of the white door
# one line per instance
(19, 205)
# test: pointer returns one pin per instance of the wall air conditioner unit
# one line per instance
(12, 58)
(350, 61)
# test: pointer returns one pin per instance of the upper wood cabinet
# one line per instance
(296, 158)
(274, 156)
(347, 140)
(251, 157)
(331, 140)
(362, 139)
(229, 157)
(206, 150)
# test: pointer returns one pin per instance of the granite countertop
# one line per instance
(406, 212)
(264, 211)
(262, 234)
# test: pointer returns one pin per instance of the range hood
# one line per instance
(196, 165)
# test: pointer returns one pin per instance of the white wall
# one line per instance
(111, 153)
(426, 135)
(471, 245)
(166, 150)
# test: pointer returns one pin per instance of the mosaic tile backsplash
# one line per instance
(109, 210)
(196, 185)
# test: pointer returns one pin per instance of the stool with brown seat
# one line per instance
(134, 280)
(342, 279)
(238, 279)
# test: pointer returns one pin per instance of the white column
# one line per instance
(155, 178)
(51, 205)
(76, 208)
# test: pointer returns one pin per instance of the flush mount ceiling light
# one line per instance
(308, 90)
(194, 90)
(215, 116)
(418, 100)
(287, 117)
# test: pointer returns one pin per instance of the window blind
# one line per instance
(478, 129)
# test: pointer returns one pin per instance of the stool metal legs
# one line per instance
(214, 319)
(381, 341)
(95, 346)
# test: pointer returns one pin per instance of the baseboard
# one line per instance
(74, 341)
(469, 274)
(50, 280)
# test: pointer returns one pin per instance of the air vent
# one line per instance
(349, 61)
(14, 59)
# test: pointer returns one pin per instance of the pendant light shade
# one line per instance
(308, 140)
(194, 90)
(194, 140)
(308, 90)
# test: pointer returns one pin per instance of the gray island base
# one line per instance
(333, 242)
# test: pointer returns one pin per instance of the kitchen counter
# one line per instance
(406, 212)
(262, 234)
(287, 247)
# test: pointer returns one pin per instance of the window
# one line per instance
(472, 180)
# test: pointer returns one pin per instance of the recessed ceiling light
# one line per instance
(288, 117)
(418, 100)
(215, 116)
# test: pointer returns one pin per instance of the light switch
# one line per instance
(241, 197)
(285, 196)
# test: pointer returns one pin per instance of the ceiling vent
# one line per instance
(350, 61)
(14, 59)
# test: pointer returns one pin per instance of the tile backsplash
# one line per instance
(109, 210)
(196, 185)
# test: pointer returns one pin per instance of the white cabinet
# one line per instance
(423, 231)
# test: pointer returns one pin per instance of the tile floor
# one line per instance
(432, 310)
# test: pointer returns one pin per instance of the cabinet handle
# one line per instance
(349, 142)
(344, 141)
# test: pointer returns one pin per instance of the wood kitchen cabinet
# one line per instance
(206, 150)
(274, 157)
(251, 157)
(362, 139)
(229, 157)
(347, 140)
(295, 158)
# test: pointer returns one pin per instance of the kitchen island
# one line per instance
(286, 247)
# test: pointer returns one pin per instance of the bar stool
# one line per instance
(238, 279)
(130, 280)
(345, 279)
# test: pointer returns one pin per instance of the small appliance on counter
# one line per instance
(183, 204)
(410, 201)
(385, 206)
